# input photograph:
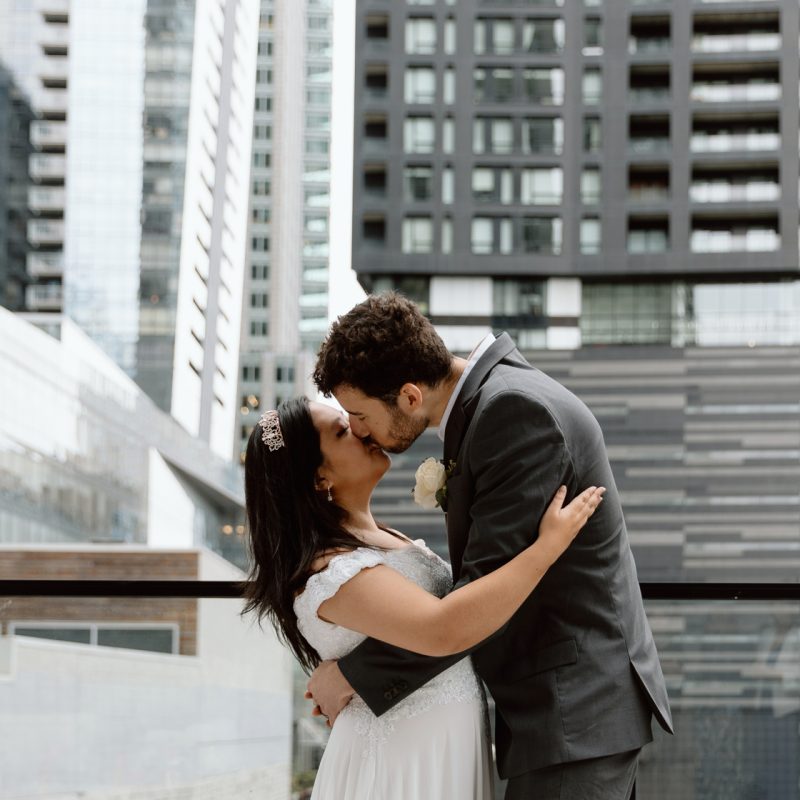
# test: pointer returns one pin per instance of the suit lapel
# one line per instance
(462, 413)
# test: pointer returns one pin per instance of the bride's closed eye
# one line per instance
(342, 431)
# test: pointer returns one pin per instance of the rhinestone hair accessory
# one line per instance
(271, 430)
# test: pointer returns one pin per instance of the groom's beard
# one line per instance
(403, 431)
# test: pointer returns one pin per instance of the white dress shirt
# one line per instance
(473, 359)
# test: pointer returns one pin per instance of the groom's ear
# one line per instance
(409, 399)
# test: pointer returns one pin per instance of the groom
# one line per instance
(575, 675)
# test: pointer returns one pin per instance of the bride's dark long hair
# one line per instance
(290, 521)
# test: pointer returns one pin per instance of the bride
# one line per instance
(327, 575)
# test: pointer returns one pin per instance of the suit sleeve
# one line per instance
(519, 460)
(519, 463)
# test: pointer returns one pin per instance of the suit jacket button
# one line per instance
(388, 695)
(402, 686)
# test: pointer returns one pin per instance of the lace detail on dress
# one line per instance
(418, 563)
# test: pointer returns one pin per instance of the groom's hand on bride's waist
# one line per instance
(329, 690)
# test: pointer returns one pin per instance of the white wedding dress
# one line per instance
(434, 744)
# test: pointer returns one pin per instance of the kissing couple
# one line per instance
(550, 619)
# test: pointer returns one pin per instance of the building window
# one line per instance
(544, 86)
(517, 298)
(592, 36)
(448, 186)
(592, 86)
(259, 327)
(260, 244)
(259, 300)
(590, 186)
(494, 36)
(492, 235)
(542, 186)
(493, 135)
(260, 272)
(418, 184)
(541, 235)
(318, 97)
(419, 135)
(420, 85)
(420, 36)
(492, 185)
(317, 225)
(415, 287)
(284, 374)
(448, 135)
(493, 84)
(251, 373)
(626, 313)
(417, 235)
(449, 37)
(592, 141)
(543, 36)
(449, 86)
(261, 159)
(590, 236)
(648, 235)
(543, 135)
(447, 236)
(317, 147)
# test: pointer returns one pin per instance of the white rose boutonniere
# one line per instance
(430, 489)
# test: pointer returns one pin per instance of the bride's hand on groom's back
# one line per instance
(329, 691)
(561, 524)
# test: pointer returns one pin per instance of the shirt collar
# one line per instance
(474, 357)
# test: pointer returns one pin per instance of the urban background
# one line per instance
(189, 190)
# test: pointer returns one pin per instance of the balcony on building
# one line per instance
(45, 265)
(52, 36)
(51, 103)
(648, 234)
(723, 183)
(736, 82)
(48, 136)
(52, 71)
(374, 180)
(649, 84)
(648, 184)
(376, 33)
(750, 32)
(376, 82)
(650, 35)
(373, 231)
(649, 133)
(45, 297)
(376, 132)
(748, 233)
(730, 133)
(46, 199)
(45, 232)
(46, 167)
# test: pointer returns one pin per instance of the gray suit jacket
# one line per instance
(575, 673)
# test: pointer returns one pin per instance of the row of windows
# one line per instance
(495, 135)
(526, 186)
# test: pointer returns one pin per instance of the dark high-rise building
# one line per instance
(582, 173)
(615, 184)
(15, 120)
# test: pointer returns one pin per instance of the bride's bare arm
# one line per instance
(382, 604)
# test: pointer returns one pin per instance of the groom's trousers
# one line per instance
(606, 778)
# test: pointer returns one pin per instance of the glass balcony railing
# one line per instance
(649, 44)
(649, 144)
(726, 192)
(725, 142)
(735, 92)
(651, 94)
(746, 42)
(750, 241)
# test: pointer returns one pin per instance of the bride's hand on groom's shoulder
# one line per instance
(329, 691)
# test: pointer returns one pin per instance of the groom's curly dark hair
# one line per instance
(379, 345)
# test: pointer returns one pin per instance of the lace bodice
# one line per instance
(417, 563)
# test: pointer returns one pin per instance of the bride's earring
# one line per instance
(330, 496)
